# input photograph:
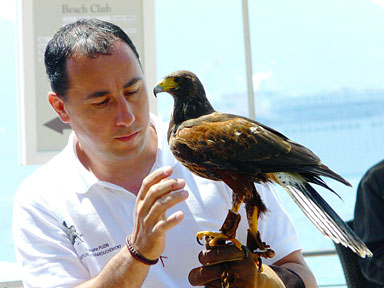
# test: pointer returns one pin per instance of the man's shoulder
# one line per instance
(378, 168)
(45, 180)
(376, 171)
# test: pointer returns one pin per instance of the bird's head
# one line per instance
(180, 84)
(188, 94)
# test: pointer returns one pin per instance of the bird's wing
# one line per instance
(231, 142)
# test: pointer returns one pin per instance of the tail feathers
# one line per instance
(325, 171)
(324, 217)
(315, 179)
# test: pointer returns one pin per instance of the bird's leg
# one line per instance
(228, 229)
(232, 221)
(254, 242)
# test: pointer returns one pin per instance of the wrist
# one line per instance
(137, 255)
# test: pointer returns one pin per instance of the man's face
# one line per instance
(107, 104)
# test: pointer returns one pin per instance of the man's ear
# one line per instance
(57, 103)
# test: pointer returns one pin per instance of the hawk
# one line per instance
(240, 152)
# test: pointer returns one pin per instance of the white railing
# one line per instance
(324, 253)
(11, 284)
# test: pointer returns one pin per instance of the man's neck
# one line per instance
(128, 174)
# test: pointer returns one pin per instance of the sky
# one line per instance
(8, 10)
(304, 46)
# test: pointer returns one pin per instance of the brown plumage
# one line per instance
(241, 151)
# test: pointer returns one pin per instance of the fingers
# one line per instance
(159, 199)
(236, 273)
(154, 191)
(152, 179)
(165, 225)
(165, 201)
(215, 262)
(221, 254)
(202, 275)
(157, 194)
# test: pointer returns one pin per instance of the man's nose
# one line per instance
(124, 114)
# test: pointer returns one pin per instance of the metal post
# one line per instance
(248, 60)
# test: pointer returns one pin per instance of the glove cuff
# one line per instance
(290, 278)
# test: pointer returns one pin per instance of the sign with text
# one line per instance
(41, 132)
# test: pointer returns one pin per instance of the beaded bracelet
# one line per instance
(135, 254)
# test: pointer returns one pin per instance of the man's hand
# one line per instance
(227, 266)
(157, 194)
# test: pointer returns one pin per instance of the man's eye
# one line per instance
(130, 92)
(102, 103)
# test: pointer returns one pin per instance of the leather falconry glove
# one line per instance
(226, 266)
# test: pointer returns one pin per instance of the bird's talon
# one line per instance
(259, 251)
(266, 253)
(198, 241)
(259, 265)
(214, 239)
(245, 251)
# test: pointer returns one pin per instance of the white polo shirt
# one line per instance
(67, 224)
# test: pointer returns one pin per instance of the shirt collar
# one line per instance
(86, 179)
(164, 156)
(83, 179)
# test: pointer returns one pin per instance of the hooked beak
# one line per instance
(159, 88)
(166, 85)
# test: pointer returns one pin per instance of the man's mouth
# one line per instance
(127, 137)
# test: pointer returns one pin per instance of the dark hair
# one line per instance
(90, 37)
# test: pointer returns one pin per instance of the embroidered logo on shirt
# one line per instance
(72, 234)
(100, 250)
(82, 250)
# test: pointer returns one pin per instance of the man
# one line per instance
(369, 223)
(102, 212)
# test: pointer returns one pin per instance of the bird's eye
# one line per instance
(176, 79)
